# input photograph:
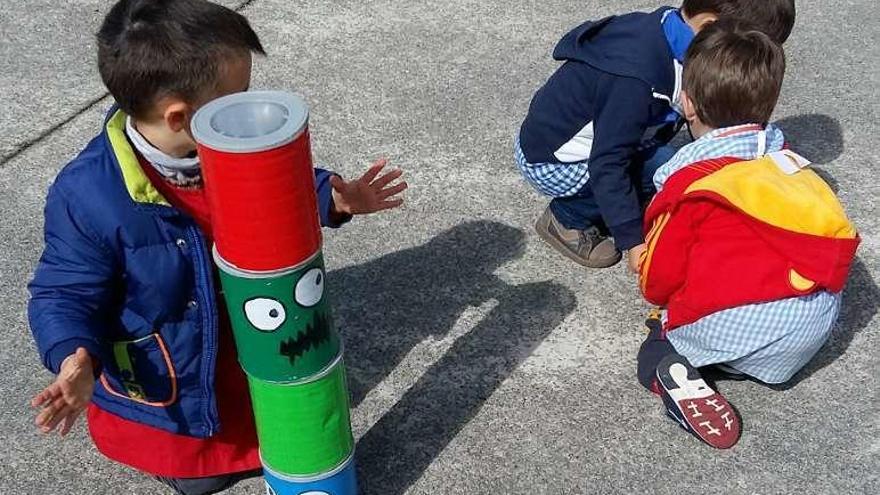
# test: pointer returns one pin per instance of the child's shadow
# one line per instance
(387, 306)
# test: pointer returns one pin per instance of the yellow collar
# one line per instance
(136, 181)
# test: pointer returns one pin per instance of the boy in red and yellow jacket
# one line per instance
(747, 249)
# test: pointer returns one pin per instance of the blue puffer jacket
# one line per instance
(129, 277)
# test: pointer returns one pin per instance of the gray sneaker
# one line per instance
(589, 247)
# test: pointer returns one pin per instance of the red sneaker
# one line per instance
(701, 411)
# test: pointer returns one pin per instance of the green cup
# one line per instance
(281, 320)
(305, 428)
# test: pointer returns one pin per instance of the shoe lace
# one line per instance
(591, 236)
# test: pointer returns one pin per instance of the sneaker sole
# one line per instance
(542, 228)
(698, 408)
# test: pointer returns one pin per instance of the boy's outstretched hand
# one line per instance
(65, 399)
(370, 193)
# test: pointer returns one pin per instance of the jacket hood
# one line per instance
(794, 213)
(630, 45)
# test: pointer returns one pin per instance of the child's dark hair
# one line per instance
(148, 49)
(773, 17)
(733, 74)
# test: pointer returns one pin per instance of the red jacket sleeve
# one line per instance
(670, 238)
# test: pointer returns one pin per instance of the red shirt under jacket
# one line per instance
(158, 452)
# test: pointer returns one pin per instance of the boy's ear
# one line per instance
(687, 105)
(176, 116)
(699, 21)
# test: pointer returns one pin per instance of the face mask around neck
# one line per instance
(169, 166)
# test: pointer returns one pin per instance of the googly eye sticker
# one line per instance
(310, 288)
(265, 314)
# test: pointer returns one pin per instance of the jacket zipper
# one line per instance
(210, 322)
(209, 326)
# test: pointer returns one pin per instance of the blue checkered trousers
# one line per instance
(552, 179)
(769, 341)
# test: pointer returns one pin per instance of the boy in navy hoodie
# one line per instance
(599, 128)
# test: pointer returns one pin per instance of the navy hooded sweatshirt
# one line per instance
(610, 98)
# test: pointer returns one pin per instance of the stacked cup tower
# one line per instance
(256, 159)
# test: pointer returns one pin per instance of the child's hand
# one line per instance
(633, 257)
(368, 194)
(64, 400)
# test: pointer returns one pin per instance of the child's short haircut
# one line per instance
(148, 49)
(733, 74)
(773, 17)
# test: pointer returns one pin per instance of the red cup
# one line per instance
(257, 163)
(264, 210)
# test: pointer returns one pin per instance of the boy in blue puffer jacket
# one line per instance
(124, 303)
(599, 127)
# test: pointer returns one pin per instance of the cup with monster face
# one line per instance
(281, 320)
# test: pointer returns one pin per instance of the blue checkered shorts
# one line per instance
(557, 180)
(769, 341)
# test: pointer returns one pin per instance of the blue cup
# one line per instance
(340, 481)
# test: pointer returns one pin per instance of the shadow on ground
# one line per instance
(407, 296)
(817, 137)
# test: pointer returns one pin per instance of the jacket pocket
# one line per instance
(142, 371)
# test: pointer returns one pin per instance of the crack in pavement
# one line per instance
(26, 145)
(22, 147)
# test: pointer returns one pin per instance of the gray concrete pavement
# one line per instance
(48, 72)
(481, 362)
